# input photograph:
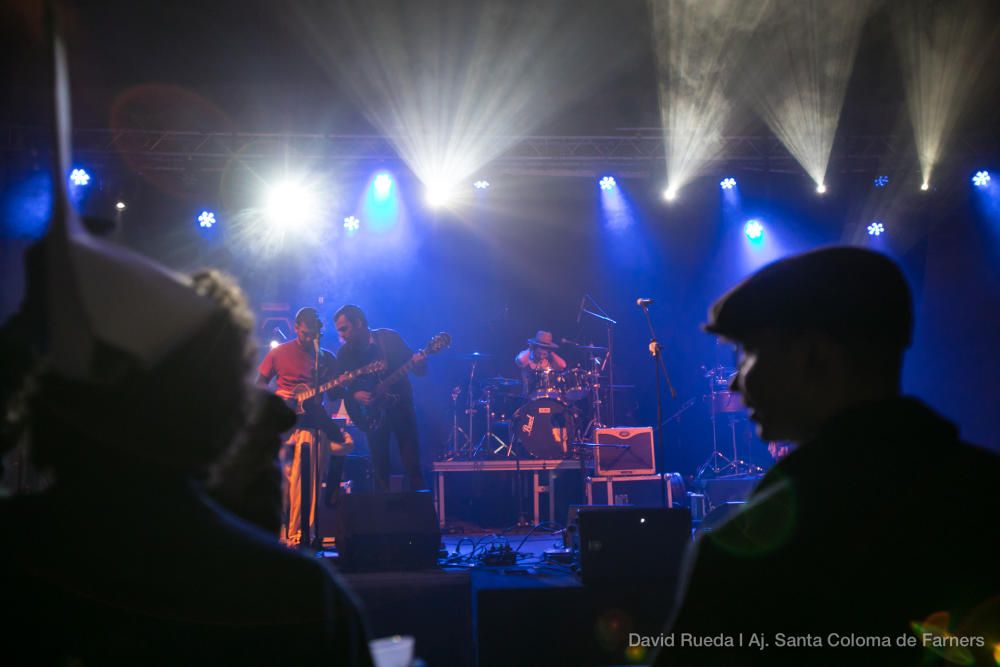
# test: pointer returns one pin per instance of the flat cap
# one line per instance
(847, 292)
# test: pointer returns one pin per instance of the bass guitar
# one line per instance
(370, 417)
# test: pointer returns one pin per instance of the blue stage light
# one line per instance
(981, 179)
(206, 219)
(727, 183)
(481, 185)
(79, 177)
(352, 224)
(608, 183)
(754, 230)
(383, 185)
(881, 181)
(876, 229)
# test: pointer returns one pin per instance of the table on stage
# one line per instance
(551, 468)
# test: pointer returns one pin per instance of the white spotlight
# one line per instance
(290, 203)
(120, 206)
(670, 194)
(925, 186)
(438, 195)
(821, 188)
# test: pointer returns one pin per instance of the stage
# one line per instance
(534, 612)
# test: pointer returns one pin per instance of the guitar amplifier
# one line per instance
(633, 456)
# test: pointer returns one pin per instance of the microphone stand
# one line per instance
(609, 359)
(308, 514)
(657, 354)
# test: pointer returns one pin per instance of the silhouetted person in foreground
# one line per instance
(125, 559)
(874, 541)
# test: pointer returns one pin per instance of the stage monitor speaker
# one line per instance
(633, 454)
(387, 532)
(623, 544)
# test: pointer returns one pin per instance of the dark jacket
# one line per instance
(880, 522)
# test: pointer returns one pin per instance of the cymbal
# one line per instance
(502, 382)
(473, 356)
(590, 348)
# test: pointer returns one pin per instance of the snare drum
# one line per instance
(543, 428)
(576, 383)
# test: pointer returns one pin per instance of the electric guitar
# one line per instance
(370, 417)
(302, 392)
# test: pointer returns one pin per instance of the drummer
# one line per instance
(539, 356)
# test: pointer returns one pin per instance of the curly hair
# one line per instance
(180, 415)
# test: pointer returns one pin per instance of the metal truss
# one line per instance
(636, 151)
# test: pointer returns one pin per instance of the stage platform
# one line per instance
(532, 612)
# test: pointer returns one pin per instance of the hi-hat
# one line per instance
(473, 356)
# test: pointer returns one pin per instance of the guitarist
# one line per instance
(295, 363)
(362, 346)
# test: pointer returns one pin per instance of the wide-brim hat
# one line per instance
(543, 339)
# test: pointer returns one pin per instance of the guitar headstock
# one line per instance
(438, 343)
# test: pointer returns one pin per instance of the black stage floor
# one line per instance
(529, 612)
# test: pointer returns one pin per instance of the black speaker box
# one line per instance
(387, 531)
(621, 544)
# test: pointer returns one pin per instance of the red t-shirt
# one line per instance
(292, 365)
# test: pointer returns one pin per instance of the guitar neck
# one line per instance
(332, 384)
(394, 376)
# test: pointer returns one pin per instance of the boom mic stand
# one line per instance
(656, 352)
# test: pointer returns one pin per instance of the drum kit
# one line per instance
(539, 416)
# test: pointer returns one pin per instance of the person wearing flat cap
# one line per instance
(539, 357)
(879, 524)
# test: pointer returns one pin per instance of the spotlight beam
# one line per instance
(798, 83)
(943, 48)
(698, 45)
(455, 84)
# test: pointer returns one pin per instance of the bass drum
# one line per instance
(544, 428)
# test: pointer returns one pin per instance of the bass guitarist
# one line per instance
(295, 363)
(396, 412)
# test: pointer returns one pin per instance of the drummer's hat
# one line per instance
(543, 339)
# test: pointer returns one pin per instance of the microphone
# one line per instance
(579, 311)
(643, 303)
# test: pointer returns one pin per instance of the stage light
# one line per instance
(438, 196)
(352, 224)
(727, 183)
(925, 186)
(120, 206)
(881, 181)
(274, 344)
(981, 179)
(876, 229)
(821, 188)
(290, 203)
(481, 185)
(608, 183)
(206, 219)
(670, 194)
(79, 177)
(383, 185)
(754, 230)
